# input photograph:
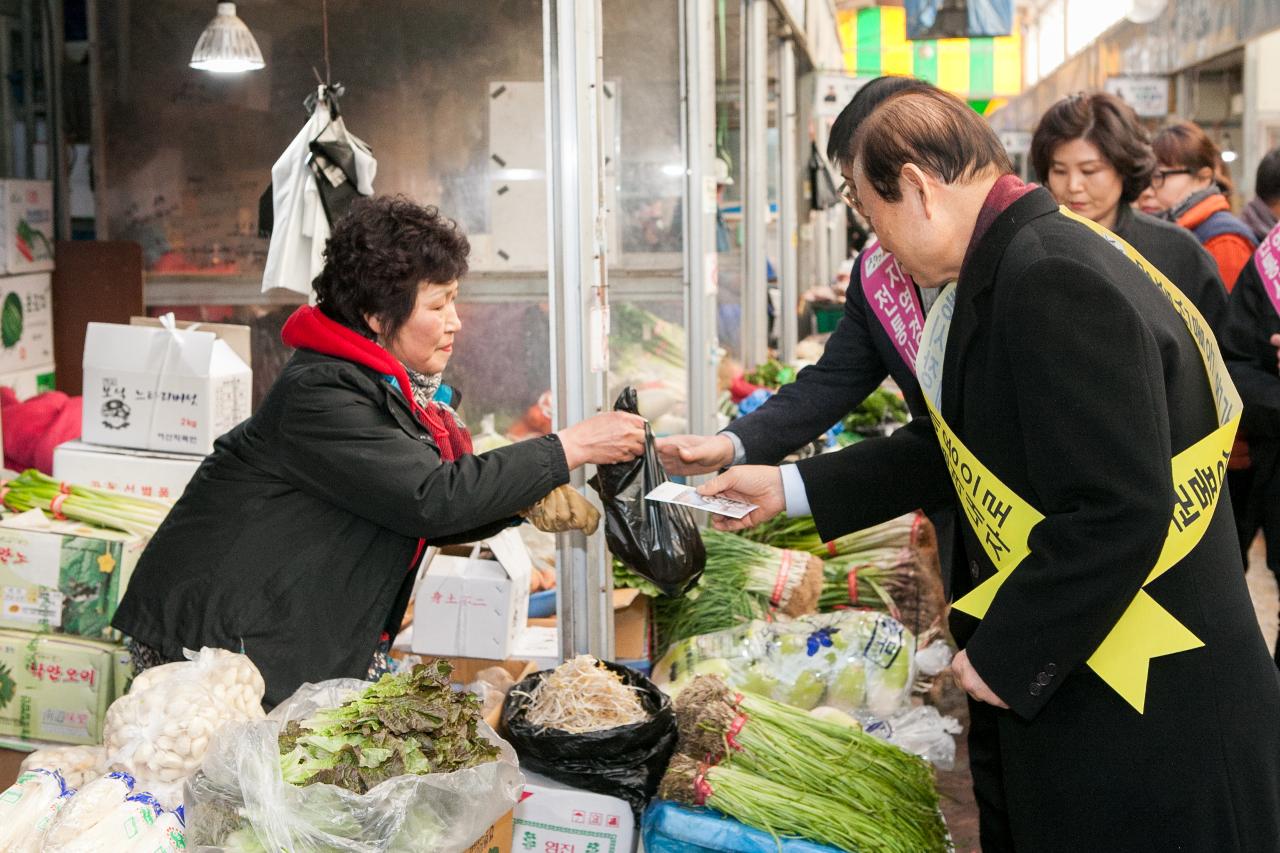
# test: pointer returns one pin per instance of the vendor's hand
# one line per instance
(972, 683)
(756, 484)
(562, 510)
(1275, 342)
(687, 455)
(604, 439)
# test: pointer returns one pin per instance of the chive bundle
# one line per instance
(743, 580)
(801, 534)
(33, 490)
(769, 762)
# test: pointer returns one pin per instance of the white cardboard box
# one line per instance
(161, 388)
(471, 607)
(141, 473)
(26, 321)
(552, 816)
(26, 226)
(30, 382)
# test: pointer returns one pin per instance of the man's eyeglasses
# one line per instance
(1159, 175)
(848, 196)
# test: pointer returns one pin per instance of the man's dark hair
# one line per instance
(378, 254)
(932, 129)
(1110, 125)
(1267, 182)
(870, 96)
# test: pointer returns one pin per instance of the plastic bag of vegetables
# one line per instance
(77, 764)
(859, 662)
(594, 725)
(28, 808)
(347, 766)
(159, 731)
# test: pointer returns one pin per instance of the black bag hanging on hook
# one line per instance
(658, 541)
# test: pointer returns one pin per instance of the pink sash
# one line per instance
(1267, 260)
(892, 297)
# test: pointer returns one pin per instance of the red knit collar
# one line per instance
(310, 328)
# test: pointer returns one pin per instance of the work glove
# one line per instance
(562, 510)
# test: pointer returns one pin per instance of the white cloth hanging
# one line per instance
(295, 255)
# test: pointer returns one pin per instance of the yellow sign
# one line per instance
(1003, 521)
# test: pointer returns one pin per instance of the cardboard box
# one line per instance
(57, 688)
(239, 338)
(496, 840)
(555, 817)
(473, 605)
(160, 388)
(63, 576)
(26, 226)
(141, 473)
(30, 382)
(632, 625)
(26, 322)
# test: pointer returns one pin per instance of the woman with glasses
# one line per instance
(1190, 182)
(1094, 156)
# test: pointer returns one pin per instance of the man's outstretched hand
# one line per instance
(756, 484)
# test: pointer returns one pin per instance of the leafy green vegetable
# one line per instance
(772, 374)
(11, 320)
(408, 723)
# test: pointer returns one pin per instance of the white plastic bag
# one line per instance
(77, 764)
(28, 808)
(167, 835)
(91, 804)
(923, 731)
(120, 827)
(159, 731)
(238, 801)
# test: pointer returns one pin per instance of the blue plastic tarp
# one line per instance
(671, 828)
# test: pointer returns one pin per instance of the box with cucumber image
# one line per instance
(62, 576)
(57, 688)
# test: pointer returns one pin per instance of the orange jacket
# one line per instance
(1231, 251)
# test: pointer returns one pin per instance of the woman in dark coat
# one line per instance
(1093, 154)
(297, 539)
(1063, 382)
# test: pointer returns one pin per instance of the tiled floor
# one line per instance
(957, 792)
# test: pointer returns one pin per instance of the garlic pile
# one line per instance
(77, 764)
(159, 731)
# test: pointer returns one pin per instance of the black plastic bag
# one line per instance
(625, 762)
(658, 541)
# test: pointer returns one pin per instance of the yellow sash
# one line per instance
(1003, 521)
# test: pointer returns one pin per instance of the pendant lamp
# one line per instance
(226, 46)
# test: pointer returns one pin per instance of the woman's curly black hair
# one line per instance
(378, 254)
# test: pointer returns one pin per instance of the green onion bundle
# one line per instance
(800, 534)
(857, 583)
(770, 806)
(743, 580)
(33, 490)
(875, 797)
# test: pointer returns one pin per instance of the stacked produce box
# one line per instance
(26, 286)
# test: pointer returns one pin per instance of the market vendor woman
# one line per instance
(297, 539)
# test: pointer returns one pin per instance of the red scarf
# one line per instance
(309, 328)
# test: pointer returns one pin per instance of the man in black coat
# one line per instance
(1065, 381)
(858, 357)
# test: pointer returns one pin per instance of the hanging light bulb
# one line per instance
(226, 46)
